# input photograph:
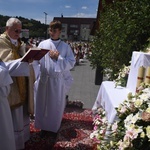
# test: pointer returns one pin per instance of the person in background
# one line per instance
(54, 81)
(27, 45)
(7, 138)
(12, 48)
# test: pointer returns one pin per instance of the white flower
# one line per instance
(138, 103)
(146, 90)
(142, 135)
(128, 120)
(148, 109)
(148, 131)
(123, 109)
(97, 122)
(123, 75)
(132, 132)
(131, 120)
(123, 144)
(136, 117)
(94, 134)
(133, 99)
(114, 127)
(144, 96)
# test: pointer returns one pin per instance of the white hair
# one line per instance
(11, 21)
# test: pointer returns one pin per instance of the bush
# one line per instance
(124, 28)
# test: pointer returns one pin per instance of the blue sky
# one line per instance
(34, 9)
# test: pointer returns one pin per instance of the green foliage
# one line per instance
(36, 28)
(124, 28)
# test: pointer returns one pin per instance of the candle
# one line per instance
(147, 76)
(140, 76)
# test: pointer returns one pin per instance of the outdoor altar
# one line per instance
(122, 114)
(109, 97)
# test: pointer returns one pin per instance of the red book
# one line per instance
(34, 53)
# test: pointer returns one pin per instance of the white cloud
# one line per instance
(67, 6)
(82, 15)
(84, 7)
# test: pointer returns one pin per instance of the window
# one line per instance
(73, 26)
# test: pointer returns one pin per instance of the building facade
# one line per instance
(76, 29)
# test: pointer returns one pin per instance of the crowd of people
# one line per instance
(81, 50)
(44, 82)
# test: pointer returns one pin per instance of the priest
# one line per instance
(12, 48)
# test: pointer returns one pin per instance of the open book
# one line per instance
(34, 53)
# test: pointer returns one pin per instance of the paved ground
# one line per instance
(84, 88)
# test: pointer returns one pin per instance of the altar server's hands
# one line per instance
(54, 54)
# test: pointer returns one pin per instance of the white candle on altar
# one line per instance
(147, 76)
(140, 76)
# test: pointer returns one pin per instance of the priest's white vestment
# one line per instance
(52, 85)
(7, 138)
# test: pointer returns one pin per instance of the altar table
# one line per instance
(109, 98)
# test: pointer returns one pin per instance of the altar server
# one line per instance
(54, 81)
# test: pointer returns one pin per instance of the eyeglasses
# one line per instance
(17, 31)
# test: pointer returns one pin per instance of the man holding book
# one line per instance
(12, 48)
(54, 81)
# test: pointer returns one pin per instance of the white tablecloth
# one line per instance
(109, 98)
(138, 59)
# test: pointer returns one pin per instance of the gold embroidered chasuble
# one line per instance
(8, 52)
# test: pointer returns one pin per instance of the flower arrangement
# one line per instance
(100, 128)
(122, 76)
(131, 131)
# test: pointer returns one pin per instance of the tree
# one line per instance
(124, 28)
(36, 28)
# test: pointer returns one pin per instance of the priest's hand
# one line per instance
(54, 54)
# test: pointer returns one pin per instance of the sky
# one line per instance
(45, 10)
